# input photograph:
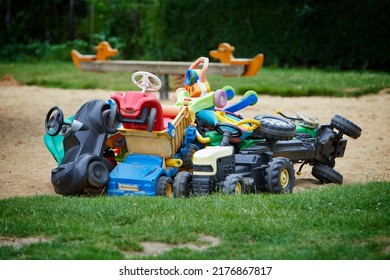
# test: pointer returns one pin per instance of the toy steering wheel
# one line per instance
(54, 121)
(254, 124)
(235, 133)
(146, 81)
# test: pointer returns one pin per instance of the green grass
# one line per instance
(273, 81)
(308, 82)
(336, 222)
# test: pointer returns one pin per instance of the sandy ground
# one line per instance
(25, 163)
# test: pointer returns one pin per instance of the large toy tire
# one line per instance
(110, 126)
(280, 176)
(98, 174)
(187, 158)
(233, 185)
(346, 126)
(326, 174)
(165, 186)
(152, 119)
(181, 184)
(274, 128)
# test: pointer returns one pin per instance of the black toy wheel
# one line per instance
(54, 121)
(274, 128)
(346, 126)
(181, 184)
(280, 176)
(98, 174)
(187, 157)
(165, 186)
(233, 185)
(326, 174)
(152, 119)
(109, 120)
(236, 130)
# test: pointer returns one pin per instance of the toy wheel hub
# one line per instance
(98, 171)
(284, 178)
(238, 188)
(169, 190)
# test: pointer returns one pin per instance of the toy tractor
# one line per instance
(220, 169)
(303, 140)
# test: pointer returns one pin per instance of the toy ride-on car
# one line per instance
(219, 168)
(158, 139)
(303, 140)
(84, 143)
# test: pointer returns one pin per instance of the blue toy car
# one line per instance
(84, 144)
(144, 175)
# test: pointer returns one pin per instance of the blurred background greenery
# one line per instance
(344, 34)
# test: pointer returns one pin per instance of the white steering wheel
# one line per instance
(146, 81)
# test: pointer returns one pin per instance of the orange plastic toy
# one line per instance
(103, 52)
(225, 54)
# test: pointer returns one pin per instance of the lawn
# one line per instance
(273, 81)
(334, 222)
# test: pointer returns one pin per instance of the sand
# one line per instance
(25, 163)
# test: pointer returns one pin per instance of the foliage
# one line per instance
(336, 222)
(344, 34)
(37, 51)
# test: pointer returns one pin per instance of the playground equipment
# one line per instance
(232, 67)
(104, 51)
(225, 54)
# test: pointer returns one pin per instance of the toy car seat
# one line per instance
(138, 110)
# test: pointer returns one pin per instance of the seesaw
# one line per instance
(229, 66)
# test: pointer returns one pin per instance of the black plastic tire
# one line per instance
(346, 126)
(280, 176)
(187, 158)
(165, 186)
(107, 117)
(233, 185)
(98, 174)
(273, 128)
(181, 184)
(326, 174)
(152, 119)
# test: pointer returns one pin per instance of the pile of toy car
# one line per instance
(134, 145)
